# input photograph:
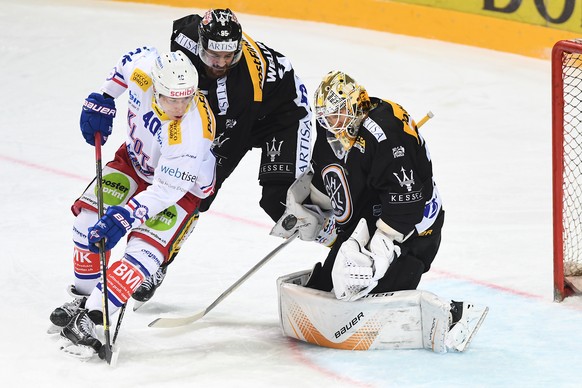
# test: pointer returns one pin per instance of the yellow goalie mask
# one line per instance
(341, 104)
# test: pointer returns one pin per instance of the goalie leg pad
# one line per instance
(394, 320)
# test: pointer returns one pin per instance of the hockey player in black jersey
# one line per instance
(370, 162)
(372, 188)
(258, 102)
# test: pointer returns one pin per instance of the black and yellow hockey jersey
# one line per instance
(387, 174)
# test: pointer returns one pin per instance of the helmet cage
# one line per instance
(341, 104)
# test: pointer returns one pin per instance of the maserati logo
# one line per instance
(218, 142)
(405, 181)
(272, 149)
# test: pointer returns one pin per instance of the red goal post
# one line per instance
(567, 167)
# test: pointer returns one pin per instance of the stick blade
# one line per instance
(170, 322)
(137, 304)
(113, 357)
(109, 354)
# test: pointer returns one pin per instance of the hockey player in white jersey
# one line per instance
(151, 189)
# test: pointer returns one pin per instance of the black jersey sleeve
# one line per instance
(184, 36)
(399, 173)
(285, 97)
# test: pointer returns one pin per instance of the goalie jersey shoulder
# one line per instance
(389, 120)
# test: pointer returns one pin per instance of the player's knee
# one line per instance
(81, 224)
(319, 280)
(403, 274)
(146, 255)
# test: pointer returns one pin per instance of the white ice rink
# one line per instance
(491, 146)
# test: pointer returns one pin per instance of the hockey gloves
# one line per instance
(112, 227)
(97, 117)
(356, 269)
(311, 221)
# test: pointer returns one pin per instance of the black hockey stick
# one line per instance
(119, 319)
(106, 351)
(167, 322)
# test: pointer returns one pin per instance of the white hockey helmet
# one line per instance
(174, 76)
(341, 104)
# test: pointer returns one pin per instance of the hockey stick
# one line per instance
(422, 121)
(118, 325)
(106, 351)
(167, 322)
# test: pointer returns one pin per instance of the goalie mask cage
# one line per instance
(567, 166)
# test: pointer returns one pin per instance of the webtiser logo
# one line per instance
(177, 173)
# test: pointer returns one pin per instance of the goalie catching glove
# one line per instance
(313, 223)
(357, 269)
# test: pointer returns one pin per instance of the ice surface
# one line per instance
(490, 142)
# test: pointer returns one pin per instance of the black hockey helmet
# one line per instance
(219, 30)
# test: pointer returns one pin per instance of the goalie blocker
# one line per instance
(394, 320)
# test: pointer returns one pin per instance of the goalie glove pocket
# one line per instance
(308, 220)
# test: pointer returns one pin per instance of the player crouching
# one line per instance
(372, 198)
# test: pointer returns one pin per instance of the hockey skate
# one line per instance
(61, 316)
(79, 337)
(148, 288)
(466, 320)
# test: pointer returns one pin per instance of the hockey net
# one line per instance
(567, 167)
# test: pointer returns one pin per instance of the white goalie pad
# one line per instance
(395, 320)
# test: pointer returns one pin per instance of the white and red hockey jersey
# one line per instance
(174, 157)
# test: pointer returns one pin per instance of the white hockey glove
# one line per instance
(311, 221)
(356, 270)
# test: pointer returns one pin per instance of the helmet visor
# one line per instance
(220, 54)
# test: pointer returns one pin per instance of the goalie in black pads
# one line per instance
(372, 191)
(258, 101)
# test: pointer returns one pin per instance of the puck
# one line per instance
(289, 222)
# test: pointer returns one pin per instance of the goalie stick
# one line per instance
(288, 223)
(167, 322)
